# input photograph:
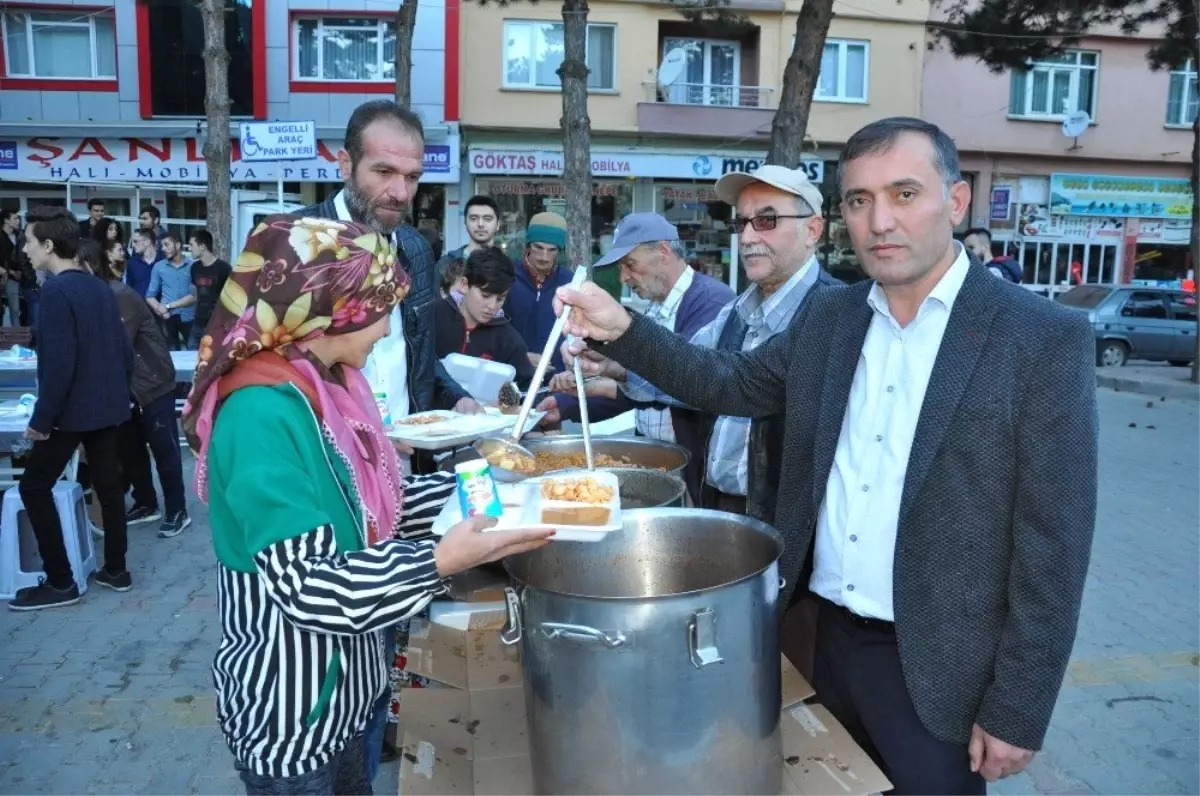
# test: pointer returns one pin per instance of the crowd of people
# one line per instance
(904, 434)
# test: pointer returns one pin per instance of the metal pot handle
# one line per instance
(702, 638)
(583, 634)
(511, 633)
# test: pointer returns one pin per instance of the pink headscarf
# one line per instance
(297, 280)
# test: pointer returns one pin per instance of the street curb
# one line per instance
(1163, 389)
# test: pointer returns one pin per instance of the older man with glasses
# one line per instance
(735, 460)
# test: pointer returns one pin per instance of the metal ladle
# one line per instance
(581, 392)
(509, 444)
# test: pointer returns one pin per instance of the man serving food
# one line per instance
(929, 414)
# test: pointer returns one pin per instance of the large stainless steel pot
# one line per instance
(650, 454)
(651, 658)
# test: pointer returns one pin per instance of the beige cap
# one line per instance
(793, 181)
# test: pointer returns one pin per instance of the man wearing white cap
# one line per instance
(779, 224)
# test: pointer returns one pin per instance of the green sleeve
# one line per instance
(258, 455)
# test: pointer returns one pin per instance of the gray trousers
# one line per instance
(12, 297)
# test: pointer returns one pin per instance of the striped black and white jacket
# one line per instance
(301, 660)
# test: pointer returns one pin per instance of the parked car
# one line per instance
(1134, 322)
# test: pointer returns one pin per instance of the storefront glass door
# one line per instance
(1054, 266)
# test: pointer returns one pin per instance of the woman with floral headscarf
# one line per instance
(306, 499)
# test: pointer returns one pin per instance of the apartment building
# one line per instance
(106, 99)
(659, 142)
(1105, 198)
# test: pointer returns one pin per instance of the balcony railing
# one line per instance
(709, 94)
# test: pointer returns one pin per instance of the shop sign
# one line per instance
(814, 168)
(545, 188)
(1140, 197)
(1155, 231)
(181, 160)
(537, 163)
(1035, 221)
(265, 142)
(1001, 198)
(687, 195)
(438, 160)
(8, 155)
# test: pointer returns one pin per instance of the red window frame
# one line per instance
(56, 83)
(333, 86)
(258, 58)
(450, 98)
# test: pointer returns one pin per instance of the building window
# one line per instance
(1055, 86)
(345, 49)
(533, 51)
(843, 75)
(1182, 99)
(711, 75)
(176, 40)
(60, 44)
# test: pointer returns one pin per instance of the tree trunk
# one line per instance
(799, 82)
(406, 21)
(577, 143)
(217, 147)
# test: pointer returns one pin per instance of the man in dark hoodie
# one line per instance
(475, 324)
(978, 241)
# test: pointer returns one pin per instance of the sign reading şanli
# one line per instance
(273, 141)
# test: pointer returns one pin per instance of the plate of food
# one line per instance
(440, 429)
(581, 507)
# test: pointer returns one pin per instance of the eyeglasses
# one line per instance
(760, 223)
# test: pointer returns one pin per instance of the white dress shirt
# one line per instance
(387, 365)
(856, 525)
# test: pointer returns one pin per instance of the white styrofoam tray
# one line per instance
(531, 422)
(457, 429)
(523, 505)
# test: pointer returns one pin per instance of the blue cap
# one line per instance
(634, 230)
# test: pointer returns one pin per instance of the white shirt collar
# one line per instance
(682, 285)
(339, 205)
(943, 293)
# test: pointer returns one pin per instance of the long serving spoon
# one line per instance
(581, 391)
(509, 444)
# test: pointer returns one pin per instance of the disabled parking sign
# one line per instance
(263, 142)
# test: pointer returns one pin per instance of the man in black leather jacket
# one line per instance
(381, 199)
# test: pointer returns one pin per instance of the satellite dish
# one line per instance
(672, 67)
(1076, 124)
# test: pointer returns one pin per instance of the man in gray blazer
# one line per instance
(938, 486)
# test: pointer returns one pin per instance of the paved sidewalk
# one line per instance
(1157, 379)
(114, 696)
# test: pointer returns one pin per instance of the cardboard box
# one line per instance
(472, 736)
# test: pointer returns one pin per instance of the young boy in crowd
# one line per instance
(84, 366)
(474, 324)
(209, 273)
